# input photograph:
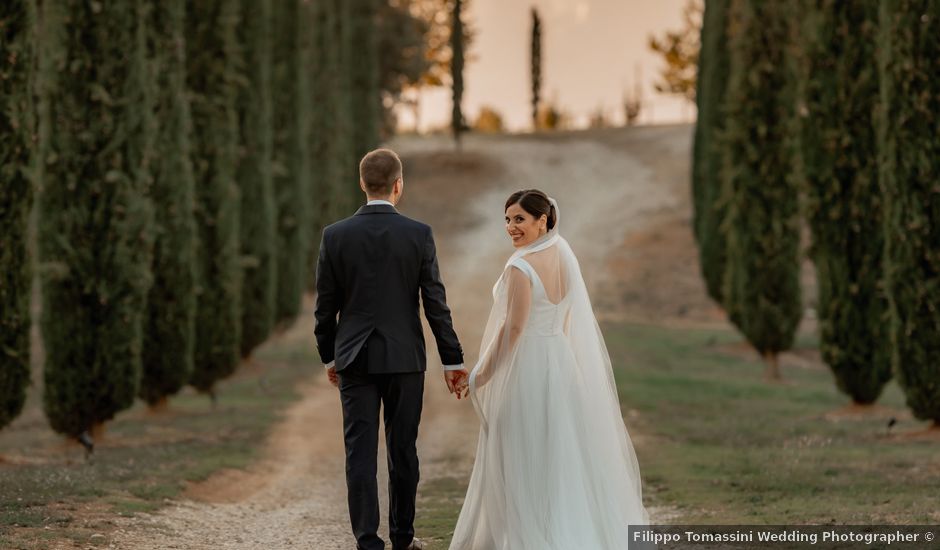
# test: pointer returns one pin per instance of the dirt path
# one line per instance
(295, 496)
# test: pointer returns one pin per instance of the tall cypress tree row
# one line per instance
(363, 66)
(17, 130)
(213, 62)
(761, 281)
(711, 86)
(258, 212)
(843, 203)
(95, 214)
(909, 42)
(456, 69)
(170, 322)
(291, 161)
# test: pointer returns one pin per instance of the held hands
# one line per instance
(458, 381)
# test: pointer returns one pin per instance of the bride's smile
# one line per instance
(523, 228)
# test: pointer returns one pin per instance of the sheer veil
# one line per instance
(606, 445)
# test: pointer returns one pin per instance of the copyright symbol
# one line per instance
(928, 536)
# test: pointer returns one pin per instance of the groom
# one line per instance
(371, 269)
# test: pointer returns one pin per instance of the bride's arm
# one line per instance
(519, 301)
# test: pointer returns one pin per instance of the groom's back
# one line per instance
(379, 261)
(377, 254)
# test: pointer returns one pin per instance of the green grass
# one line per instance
(720, 445)
(144, 460)
(439, 502)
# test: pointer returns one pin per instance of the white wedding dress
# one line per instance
(555, 467)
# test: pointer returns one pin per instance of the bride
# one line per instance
(555, 467)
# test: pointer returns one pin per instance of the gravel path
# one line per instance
(295, 496)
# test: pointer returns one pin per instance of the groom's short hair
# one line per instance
(378, 170)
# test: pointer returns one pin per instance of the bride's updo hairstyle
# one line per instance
(534, 202)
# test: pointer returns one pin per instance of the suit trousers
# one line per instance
(401, 395)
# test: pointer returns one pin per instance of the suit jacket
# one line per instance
(371, 269)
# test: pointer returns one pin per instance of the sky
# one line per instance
(592, 52)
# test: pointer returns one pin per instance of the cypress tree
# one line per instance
(322, 143)
(843, 206)
(95, 213)
(347, 118)
(170, 322)
(362, 49)
(258, 212)
(212, 64)
(761, 281)
(909, 42)
(350, 115)
(535, 65)
(332, 191)
(291, 162)
(17, 130)
(456, 69)
(711, 86)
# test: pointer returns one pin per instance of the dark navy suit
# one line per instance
(371, 270)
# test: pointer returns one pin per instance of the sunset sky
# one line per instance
(591, 50)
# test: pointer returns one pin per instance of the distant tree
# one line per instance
(761, 280)
(258, 211)
(633, 102)
(169, 326)
(844, 202)
(213, 65)
(456, 43)
(909, 61)
(551, 117)
(436, 16)
(17, 143)
(291, 159)
(599, 118)
(535, 59)
(95, 227)
(488, 121)
(680, 51)
(712, 84)
(403, 59)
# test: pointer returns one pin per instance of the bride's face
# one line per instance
(523, 228)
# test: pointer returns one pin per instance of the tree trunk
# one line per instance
(772, 372)
(418, 112)
(161, 406)
(97, 431)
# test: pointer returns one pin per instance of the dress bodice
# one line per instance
(545, 317)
